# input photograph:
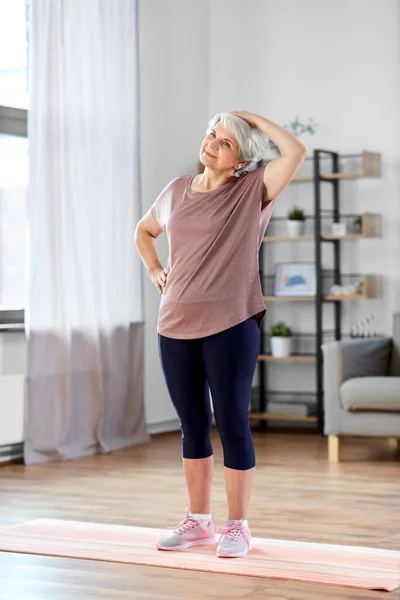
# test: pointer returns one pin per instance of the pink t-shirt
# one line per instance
(214, 237)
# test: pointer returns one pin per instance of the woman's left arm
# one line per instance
(279, 172)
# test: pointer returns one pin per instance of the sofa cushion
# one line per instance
(371, 393)
(366, 357)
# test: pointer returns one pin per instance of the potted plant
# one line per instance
(281, 339)
(296, 222)
(357, 224)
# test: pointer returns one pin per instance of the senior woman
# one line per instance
(211, 310)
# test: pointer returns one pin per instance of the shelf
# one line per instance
(290, 298)
(308, 238)
(303, 178)
(307, 407)
(329, 298)
(370, 167)
(337, 298)
(371, 226)
(291, 357)
(300, 238)
(348, 236)
(265, 416)
(284, 404)
(371, 288)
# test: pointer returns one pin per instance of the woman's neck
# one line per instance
(209, 180)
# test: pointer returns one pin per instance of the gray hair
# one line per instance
(252, 142)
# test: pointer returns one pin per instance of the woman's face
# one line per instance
(219, 149)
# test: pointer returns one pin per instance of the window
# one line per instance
(14, 37)
(14, 28)
(13, 211)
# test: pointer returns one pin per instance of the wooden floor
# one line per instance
(297, 495)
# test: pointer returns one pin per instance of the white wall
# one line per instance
(337, 62)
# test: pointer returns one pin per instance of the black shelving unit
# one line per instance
(324, 279)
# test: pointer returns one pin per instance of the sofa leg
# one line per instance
(394, 443)
(333, 448)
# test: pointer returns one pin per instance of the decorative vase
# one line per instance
(295, 228)
(281, 346)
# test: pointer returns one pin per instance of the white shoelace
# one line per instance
(232, 532)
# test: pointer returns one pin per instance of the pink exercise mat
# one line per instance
(350, 566)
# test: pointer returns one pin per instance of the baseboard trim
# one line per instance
(162, 426)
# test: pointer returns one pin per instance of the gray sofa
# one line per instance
(362, 389)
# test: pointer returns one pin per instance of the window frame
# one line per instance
(14, 121)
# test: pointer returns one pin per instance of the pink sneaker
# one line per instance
(235, 540)
(190, 532)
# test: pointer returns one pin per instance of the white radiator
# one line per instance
(12, 386)
(12, 393)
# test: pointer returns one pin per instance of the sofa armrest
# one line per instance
(394, 370)
(347, 359)
(333, 379)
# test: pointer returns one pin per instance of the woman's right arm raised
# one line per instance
(147, 230)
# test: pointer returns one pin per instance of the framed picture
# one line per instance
(295, 279)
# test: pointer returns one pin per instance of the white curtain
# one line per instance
(84, 314)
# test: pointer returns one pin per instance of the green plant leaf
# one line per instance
(280, 329)
(296, 214)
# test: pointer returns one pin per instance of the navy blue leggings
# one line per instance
(224, 363)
